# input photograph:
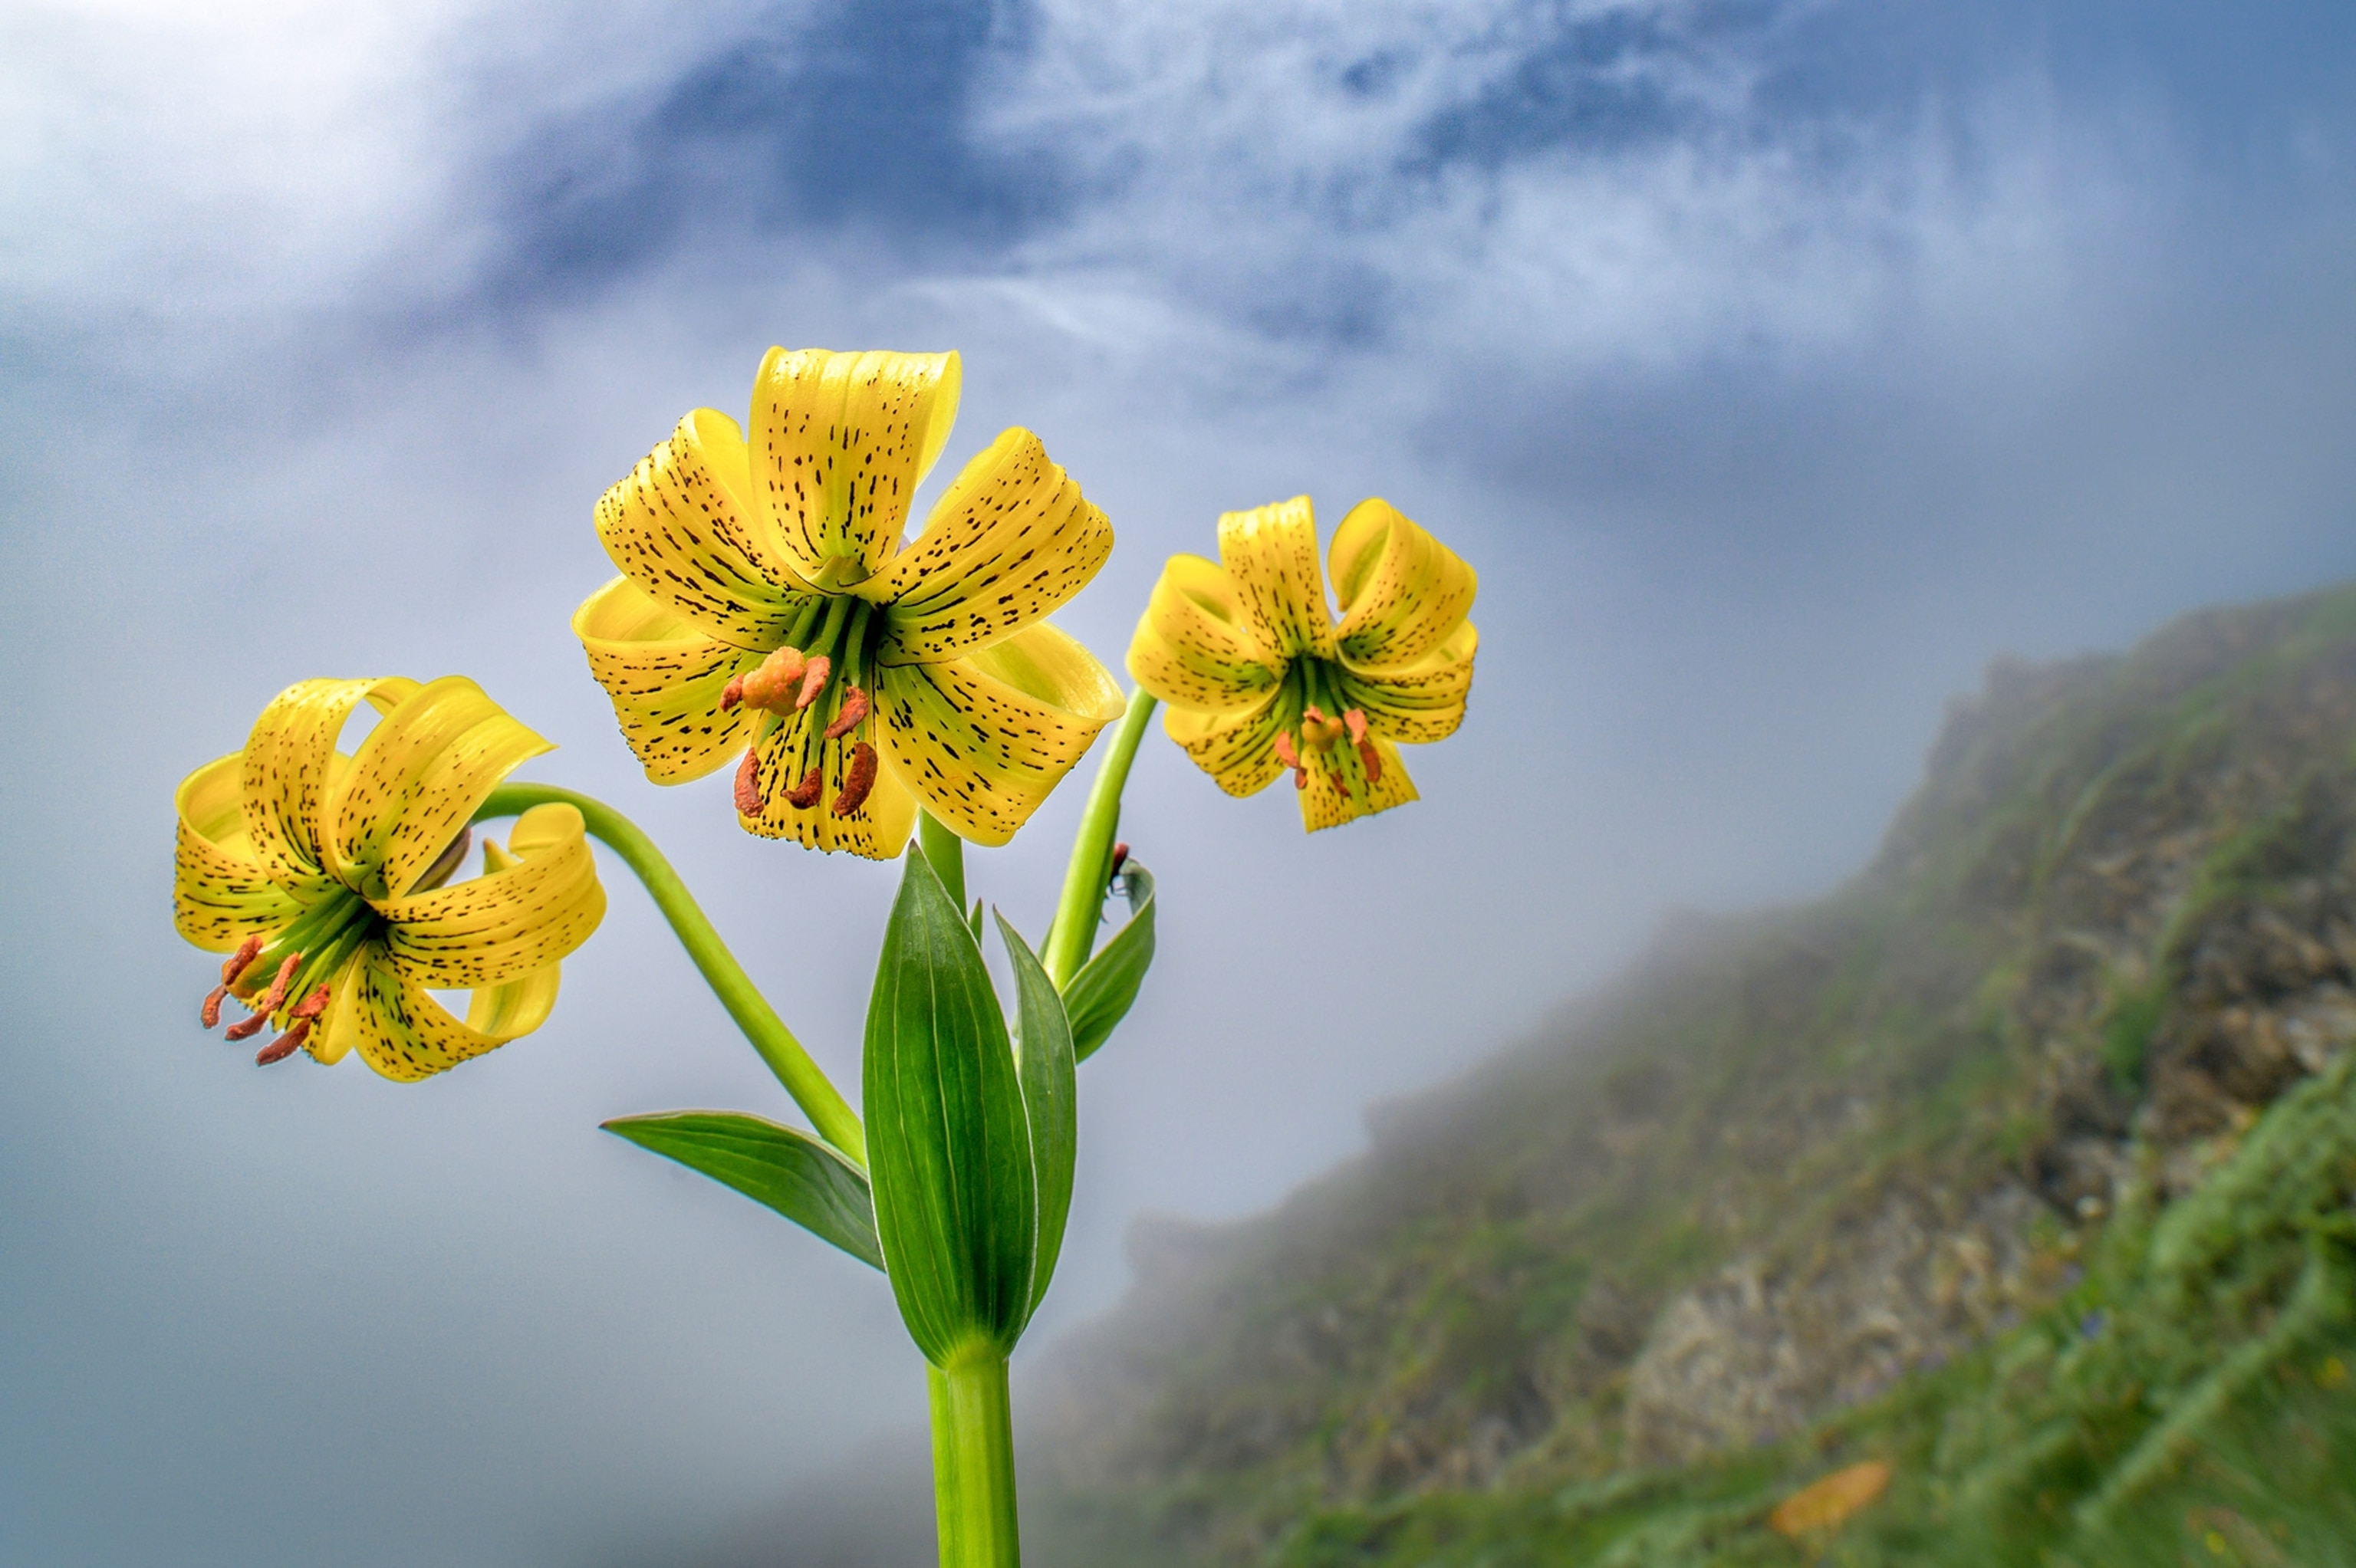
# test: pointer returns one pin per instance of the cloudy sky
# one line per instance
(1777, 364)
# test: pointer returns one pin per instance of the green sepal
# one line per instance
(799, 1176)
(948, 1145)
(1100, 995)
(1050, 1099)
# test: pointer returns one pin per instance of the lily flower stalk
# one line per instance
(325, 878)
(769, 612)
(1262, 681)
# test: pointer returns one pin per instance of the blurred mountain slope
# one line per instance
(2022, 1164)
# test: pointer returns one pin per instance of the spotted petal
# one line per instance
(406, 1035)
(665, 680)
(982, 740)
(1270, 552)
(878, 829)
(681, 527)
(1012, 541)
(1192, 648)
(1236, 748)
(839, 443)
(286, 769)
(220, 895)
(1336, 790)
(1403, 593)
(416, 781)
(1418, 702)
(529, 909)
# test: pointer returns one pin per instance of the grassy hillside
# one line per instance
(2023, 1166)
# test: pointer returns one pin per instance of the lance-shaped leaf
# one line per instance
(1049, 1098)
(948, 1146)
(787, 1169)
(1100, 994)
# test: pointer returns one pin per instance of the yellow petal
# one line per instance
(665, 678)
(219, 895)
(1237, 749)
(839, 443)
(680, 528)
(981, 740)
(1192, 648)
(1418, 702)
(516, 1007)
(529, 910)
(1403, 593)
(1010, 541)
(338, 1028)
(416, 781)
(1325, 803)
(879, 829)
(405, 1034)
(287, 767)
(1270, 553)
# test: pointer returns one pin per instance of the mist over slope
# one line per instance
(2022, 1163)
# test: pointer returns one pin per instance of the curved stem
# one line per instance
(1073, 934)
(827, 1111)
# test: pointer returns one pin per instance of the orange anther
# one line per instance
(285, 1045)
(1285, 752)
(814, 679)
(1372, 761)
(235, 964)
(312, 1005)
(748, 783)
(858, 779)
(210, 1014)
(854, 710)
(803, 795)
(1353, 719)
(267, 1003)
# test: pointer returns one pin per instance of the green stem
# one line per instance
(827, 1111)
(973, 1462)
(1073, 934)
(945, 850)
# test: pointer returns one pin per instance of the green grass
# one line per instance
(2190, 1399)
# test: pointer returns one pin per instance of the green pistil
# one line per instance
(804, 620)
(325, 936)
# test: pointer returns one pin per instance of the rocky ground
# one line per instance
(1796, 1164)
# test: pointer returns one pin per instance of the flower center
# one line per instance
(1325, 734)
(302, 960)
(831, 650)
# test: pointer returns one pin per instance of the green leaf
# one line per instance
(1100, 995)
(786, 1168)
(948, 1146)
(1049, 1098)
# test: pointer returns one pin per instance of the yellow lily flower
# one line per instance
(1260, 680)
(768, 609)
(322, 876)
